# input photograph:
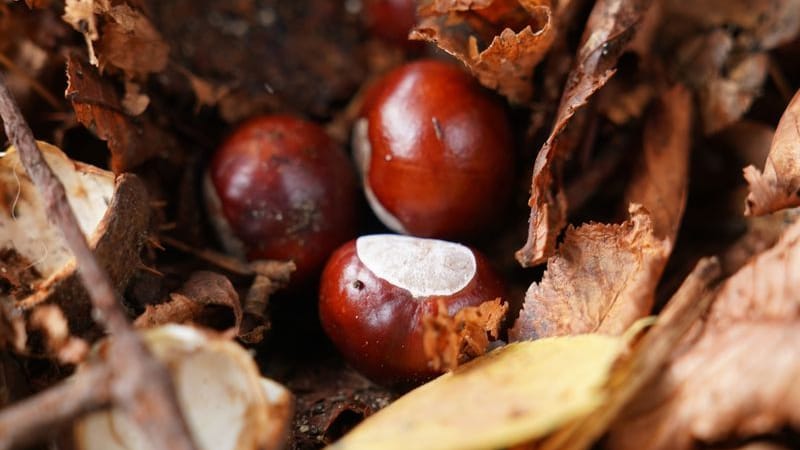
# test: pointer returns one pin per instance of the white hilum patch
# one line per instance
(424, 267)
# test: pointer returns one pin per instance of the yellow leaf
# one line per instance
(512, 395)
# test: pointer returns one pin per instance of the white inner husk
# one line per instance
(424, 267)
(24, 225)
(227, 404)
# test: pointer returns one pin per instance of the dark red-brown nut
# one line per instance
(435, 152)
(279, 188)
(391, 20)
(376, 290)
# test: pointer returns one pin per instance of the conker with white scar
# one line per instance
(376, 290)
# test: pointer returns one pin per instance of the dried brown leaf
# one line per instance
(660, 181)
(99, 108)
(717, 47)
(601, 280)
(726, 387)
(747, 347)
(611, 26)
(462, 27)
(128, 40)
(778, 186)
(649, 354)
(765, 289)
(191, 302)
(452, 340)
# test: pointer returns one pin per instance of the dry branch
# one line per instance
(42, 415)
(139, 384)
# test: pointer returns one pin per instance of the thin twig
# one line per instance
(141, 386)
(44, 414)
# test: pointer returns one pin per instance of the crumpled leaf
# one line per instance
(128, 40)
(717, 48)
(611, 26)
(753, 391)
(462, 28)
(509, 396)
(661, 176)
(452, 340)
(191, 302)
(99, 108)
(602, 279)
(636, 368)
(331, 398)
(778, 186)
(752, 329)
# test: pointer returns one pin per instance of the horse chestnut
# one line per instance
(391, 20)
(435, 152)
(377, 289)
(279, 188)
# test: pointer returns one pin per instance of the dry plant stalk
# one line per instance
(138, 383)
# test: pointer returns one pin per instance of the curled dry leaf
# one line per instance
(99, 108)
(646, 359)
(611, 26)
(758, 308)
(191, 302)
(602, 280)
(764, 289)
(463, 28)
(778, 186)
(684, 407)
(112, 212)
(128, 41)
(226, 403)
(717, 47)
(507, 397)
(660, 180)
(451, 340)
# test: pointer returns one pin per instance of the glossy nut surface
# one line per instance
(391, 20)
(435, 152)
(376, 290)
(279, 188)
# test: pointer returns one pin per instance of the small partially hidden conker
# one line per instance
(279, 188)
(391, 20)
(435, 152)
(377, 289)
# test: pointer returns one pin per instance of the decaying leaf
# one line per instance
(112, 212)
(646, 360)
(99, 108)
(507, 397)
(778, 186)
(660, 181)
(764, 289)
(602, 280)
(752, 330)
(130, 42)
(611, 26)
(518, 33)
(191, 302)
(331, 399)
(225, 401)
(716, 47)
(727, 386)
(451, 340)
(127, 40)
